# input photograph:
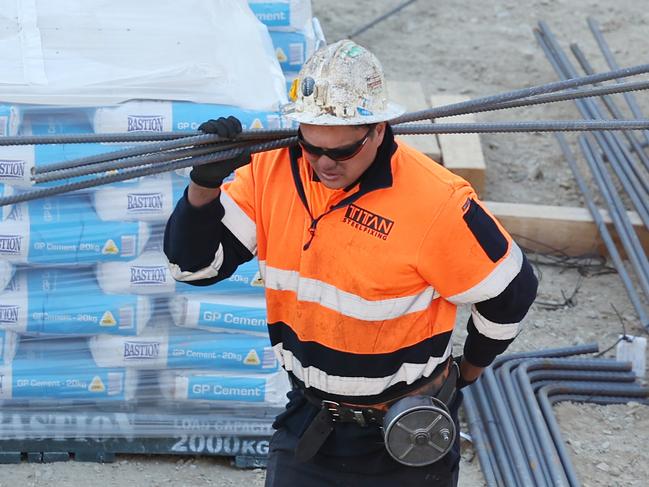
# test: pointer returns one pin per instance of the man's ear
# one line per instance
(380, 131)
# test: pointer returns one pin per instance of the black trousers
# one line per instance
(370, 465)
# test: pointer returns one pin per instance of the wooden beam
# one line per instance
(410, 95)
(461, 153)
(568, 229)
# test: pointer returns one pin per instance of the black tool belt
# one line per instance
(441, 386)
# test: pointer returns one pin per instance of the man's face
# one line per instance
(337, 174)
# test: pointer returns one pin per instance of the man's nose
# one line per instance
(326, 163)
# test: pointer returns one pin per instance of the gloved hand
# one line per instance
(212, 175)
(461, 381)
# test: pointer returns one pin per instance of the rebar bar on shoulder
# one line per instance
(567, 96)
(147, 159)
(462, 107)
(139, 172)
(95, 164)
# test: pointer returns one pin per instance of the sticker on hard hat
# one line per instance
(353, 50)
(292, 94)
(308, 85)
(363, 112)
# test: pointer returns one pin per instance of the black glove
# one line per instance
(461, 382)
(212, 175)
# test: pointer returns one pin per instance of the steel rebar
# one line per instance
(138, 172)
(461, 107)
(80, 167)
(623, 391)
(613, 147)
(136, 161)
(480, 444)
(495, 456)
(529, 443)
(612, 63)
(566, 96)
(613, 109)
(196, 138)
(625, 231)
(604, 233)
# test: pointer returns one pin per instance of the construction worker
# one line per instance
(366, 248)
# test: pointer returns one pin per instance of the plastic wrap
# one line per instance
(76, 53)
(91, 321)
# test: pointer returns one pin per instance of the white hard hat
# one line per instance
(341, 84)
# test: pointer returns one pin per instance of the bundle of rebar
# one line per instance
(170, 151)
(609, 156)
(509, 410)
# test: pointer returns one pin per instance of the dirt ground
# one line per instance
(475, 49)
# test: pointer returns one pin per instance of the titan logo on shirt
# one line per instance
(361, 219)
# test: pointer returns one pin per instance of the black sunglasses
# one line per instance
(338, 154)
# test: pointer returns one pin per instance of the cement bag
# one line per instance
(10, 118)
(66, 231)
(219, 313)
(222, 388)
(149, 274)
(294, 48)
(175, 348)
(59, 371)
(165, 116)
(79, 53)
(67, 302)
(55, 120)
(282, 14)
(150, 199)
(6, 274)
(17, 162)
(8, 343)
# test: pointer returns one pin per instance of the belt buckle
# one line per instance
(334, 409)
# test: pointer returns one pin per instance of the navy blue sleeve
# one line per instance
(192, 238)
(508, 308)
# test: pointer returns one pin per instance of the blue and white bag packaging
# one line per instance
(224, 388)
(185, 349)
(282, 14)
(10, 119)
(293, 48)
(18, 162)
(149, 274)
(165, 116)
(217, 313)
(66, 231)
(59, 371)
(43, 120)
(8, 342)
(151, 199)
(56, 302)
(6, 274)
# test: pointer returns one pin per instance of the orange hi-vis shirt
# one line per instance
(362, 284)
